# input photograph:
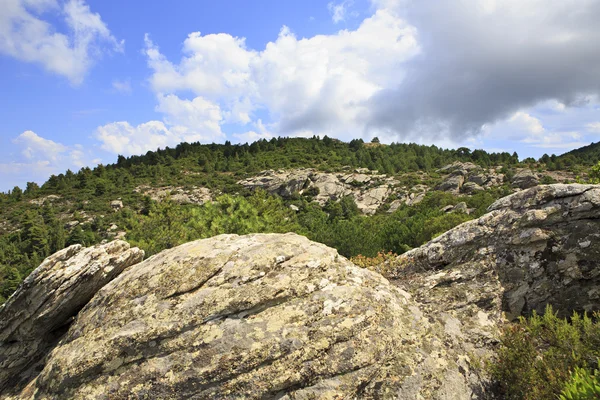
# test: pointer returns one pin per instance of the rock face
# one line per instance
(525, 179)
(195, 195)
(468, 178)
(536, 247)
(40, 311)
(241, 317)
(368, 190)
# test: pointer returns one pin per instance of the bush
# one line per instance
(537, 354)
(583, 385)
(373, 262)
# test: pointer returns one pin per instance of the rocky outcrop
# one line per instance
(535, 247)
(194, 195)
(451, 184)
(369, 190)
(255, 316)
(468, 178)
(524, 179)
(41, 310)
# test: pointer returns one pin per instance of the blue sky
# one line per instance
(85, 81)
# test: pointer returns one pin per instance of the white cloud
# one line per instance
(529, 131)
(41, 158)
(338, 11)
(527, 123)
(317, 84)
(26, 36)
(36, 147)
(260, 132)
(123, 86)
(125, 139)
(593, 127)
(198, 116)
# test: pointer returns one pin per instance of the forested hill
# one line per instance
(133, 198)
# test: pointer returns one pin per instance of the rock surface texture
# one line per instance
(258, 316)
(40, 311)
(535, 247)
(279, 316)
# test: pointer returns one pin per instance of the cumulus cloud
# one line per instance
(25, 35)
(529, 130)
(196, 120)
(481, 61)
(36, 147)
(40, 158)
(425, 71)
(319, 84)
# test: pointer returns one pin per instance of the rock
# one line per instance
(51, 198)
(283, 183)
(471, 187)
(525, 179)
(536, 247)
(395, 205)
(240, 317)
(461, 207)
(36, 316)
(479, 179)
(116, 205)
(330, 188)
(415, 199)
(71, 224)
(460, 167)
(369, 201)
(451, 184)
(195, 195)
(294, 207)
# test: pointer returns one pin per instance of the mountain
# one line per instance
(330, 191)
(280, 316)
(588, 155)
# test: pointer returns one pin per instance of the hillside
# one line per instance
(398, 196)
(279, 316)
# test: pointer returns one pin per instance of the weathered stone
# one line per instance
(195, 195)
(35, 317)
(451, 184)
(251, 317)
(525, 179)
(461, 207)
(533, 248)
(471, 187)
(369, 201)
(479, 179)
(366, 189)
(116, 205)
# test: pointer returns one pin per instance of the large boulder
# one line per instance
(36, 316)
(258, 316)
(281, 182)
(525, 179)
(536, 247)
(452, 183)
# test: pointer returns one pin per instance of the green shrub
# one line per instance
(583, 385)
(537, 354)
